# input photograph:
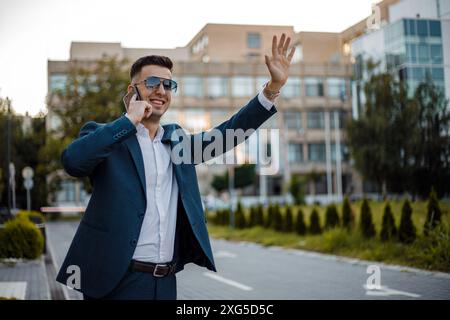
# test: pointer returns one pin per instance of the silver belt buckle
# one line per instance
(156, 269)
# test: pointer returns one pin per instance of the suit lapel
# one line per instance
(136, 153)
(168, 129)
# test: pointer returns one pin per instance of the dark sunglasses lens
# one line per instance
(169, 84)
(152, 82)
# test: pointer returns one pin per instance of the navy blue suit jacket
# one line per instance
(109, 154)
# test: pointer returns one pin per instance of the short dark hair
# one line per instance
(162, 61)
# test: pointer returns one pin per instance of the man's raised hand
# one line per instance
(278, 64)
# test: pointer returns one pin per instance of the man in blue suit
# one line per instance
(145, 219)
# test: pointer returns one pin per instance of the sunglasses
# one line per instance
(154, 83)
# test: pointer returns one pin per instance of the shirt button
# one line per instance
(133, 242)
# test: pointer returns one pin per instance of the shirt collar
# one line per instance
(143, 132)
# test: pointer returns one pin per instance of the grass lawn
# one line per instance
(430, 253)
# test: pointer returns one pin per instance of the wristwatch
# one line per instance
(271, 95)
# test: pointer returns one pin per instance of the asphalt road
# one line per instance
(250, 271)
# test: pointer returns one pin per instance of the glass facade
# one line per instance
(414, 50)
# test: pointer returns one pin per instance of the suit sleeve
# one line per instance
(95, 143)
(250, 116)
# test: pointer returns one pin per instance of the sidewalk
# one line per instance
(24, 279)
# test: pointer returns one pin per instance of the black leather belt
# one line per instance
(158, 270)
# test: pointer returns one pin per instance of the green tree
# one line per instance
(366, 225)
(270, 216)
(253, 217)
(241, 222)
(288, 220)
(297, 190)
(91, 93)
(260, 215)
(388, 228)
(407, 230)
(348, 218)
(432, 148)
(277, 218)
(434, 213)
(401, 141)
(314, 225)
(27, 137)
(331, 217)
(300, 226)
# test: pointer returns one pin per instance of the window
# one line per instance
(418, 74)
(437, 74)
(316, 152)
(242, 86)
(217, 87)
(410, 27)
(411, 53)
(436, 54)
(293, 120)
(435, 29)
(295, 152)
(200, 44)
(67, 191)
(422, 28)
(424, 56)
(292, 88)
(253, 40)
(336, 88)
(343, 150)
(58, 82)
(192, 86)
(341, 119)
(195, 120)
(314, 87)
(316, 120)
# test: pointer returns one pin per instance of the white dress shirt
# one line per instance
(157, 238)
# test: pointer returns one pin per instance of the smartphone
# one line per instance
(129, 95)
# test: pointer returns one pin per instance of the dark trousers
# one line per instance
(143, 286)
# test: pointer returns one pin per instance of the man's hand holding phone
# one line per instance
(138, 110)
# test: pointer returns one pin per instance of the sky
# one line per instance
(34, 31)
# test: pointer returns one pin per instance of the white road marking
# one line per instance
(385, 291)
(224, 254)
(15, 290)
(228, 281)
